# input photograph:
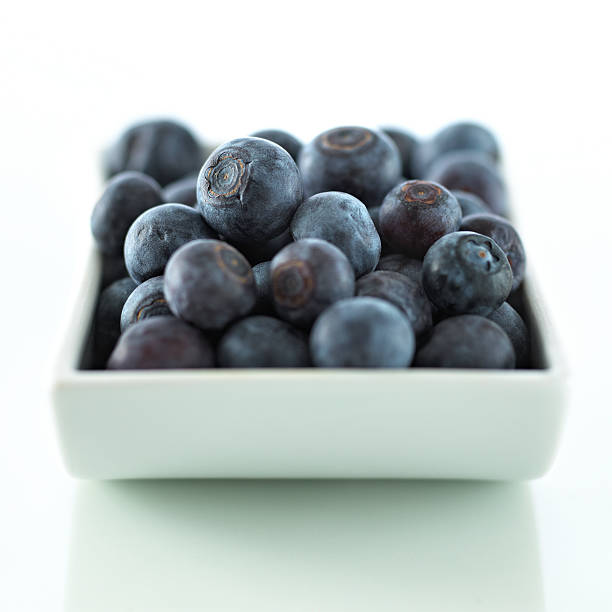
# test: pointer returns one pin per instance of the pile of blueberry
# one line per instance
(363, 248)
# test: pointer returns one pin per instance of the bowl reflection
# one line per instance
(303, 545)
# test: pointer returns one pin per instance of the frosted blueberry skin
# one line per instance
(146, 301)
(362, 332)
(403, 292)
(125, 197)
(407, 145)
(472, 172)
(466, 341)
(263, 288)
(466, 273)
(355, 160)
(505, 235)
(403, 264)
(248, 190)
(209, 284)
(343, 221)
(108, 314)
(470, 204)
(263, 342)
(182, 191)
(514, 326)
(157, 234)
(165, 150)
(283, 139)
(415, 214)
(308, 276)
(161, 343)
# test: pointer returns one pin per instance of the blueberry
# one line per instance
(466, 341)
(125, 197)
(308, 276)
(407, 144)
(470, 204)
(146, 301)
(249, 189)
(182, 191)
(466, 136)
(283, 139)
(113, 268)
(343, 221)
(355, 160)
(158, 233)
(362, 332)
(209, 284)
(161, 343)
(374, 212)
(165, 150)
(263, 288)
(257, 252)
(466, 273)
(505, 235)
(401, 291)
(403, 264)
(263, 342)
(472, 172)
(108, 314)
(415, 214)
(514, 326)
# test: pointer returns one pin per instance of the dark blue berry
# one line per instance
(505, 235)
(165, 150)
(470, 204)
(466, 341)
(343, 221)
(283, 139)
(308, 276)
(403, 264)
(514, 326)
(249, 189)
(466, 136)
(406, 144)
(263, 288)
(160, 343)
(362, 332)
(355, 160)
(257, 252)
(113, 268)
(125, 197)
(401, 291)
(182, 191)
(466, 273)
(209, 284)
(263, 342)
(158, 233)
(146, 301)
(472, 172)
(415, 214)
(107, 318)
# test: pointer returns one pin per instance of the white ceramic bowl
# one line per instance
(306, 423)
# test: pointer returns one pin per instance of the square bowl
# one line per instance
(309, 422)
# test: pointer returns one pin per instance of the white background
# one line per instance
(74, 74)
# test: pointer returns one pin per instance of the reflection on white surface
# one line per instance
(311, 546)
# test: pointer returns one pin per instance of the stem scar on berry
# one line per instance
(293, 283)
(231, 264)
